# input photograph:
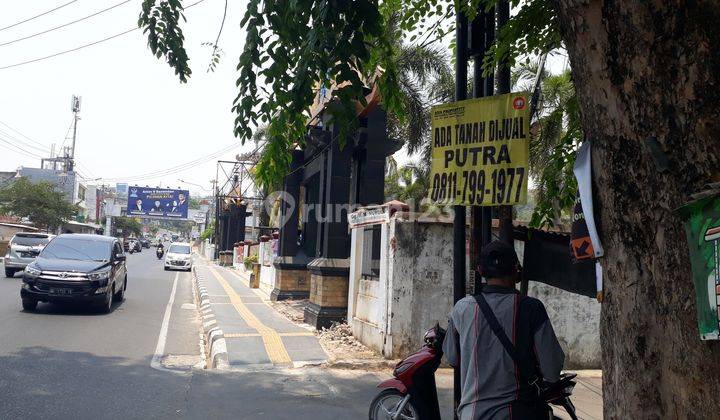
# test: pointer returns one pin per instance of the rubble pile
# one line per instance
(291, 309)
(339, 339)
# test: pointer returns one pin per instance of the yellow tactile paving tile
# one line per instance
(274, 346)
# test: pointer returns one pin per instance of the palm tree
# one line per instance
(408, 183)
(419, 67)
(556, 135)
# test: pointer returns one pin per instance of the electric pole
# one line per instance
(75, 107)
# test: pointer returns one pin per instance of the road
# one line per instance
(71, 362)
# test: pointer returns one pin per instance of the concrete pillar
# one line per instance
(355, 272)
(292, 280)
(329, 272)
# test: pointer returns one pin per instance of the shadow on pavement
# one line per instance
(79, 309)
(39, 382)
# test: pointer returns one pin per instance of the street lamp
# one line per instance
(197, 185)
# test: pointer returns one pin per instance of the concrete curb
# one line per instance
(215, 345)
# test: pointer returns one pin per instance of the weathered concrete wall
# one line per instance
(415, 288)
(576, 320)
(267, 277)
(421, 283)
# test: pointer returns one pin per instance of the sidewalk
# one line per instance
(240, 322)
(260, 335)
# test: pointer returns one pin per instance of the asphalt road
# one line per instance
(72, 362)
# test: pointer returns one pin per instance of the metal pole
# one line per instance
(216, 233)
(72, 154)
(477, 30)
(461, 47)
(505, 213)
(488, 90)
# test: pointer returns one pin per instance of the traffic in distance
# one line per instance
(82, 268)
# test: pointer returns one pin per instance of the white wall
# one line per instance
(414, 291)
(576, 320)
(267, 272)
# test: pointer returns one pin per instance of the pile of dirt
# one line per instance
(291, 309)
(340, 343)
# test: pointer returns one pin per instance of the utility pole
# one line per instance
(461, 51)
(482, 36)
(75, 107)
(505, 213)
(216, 224)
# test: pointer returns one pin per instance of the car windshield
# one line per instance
(179, 249)
(29, 240)
(77, 249)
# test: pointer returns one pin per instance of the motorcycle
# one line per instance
(558, 393)
(159, 252)
(411, 394)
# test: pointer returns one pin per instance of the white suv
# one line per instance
(178, 256)
(22, 250)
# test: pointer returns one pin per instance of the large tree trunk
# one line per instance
(649, 71)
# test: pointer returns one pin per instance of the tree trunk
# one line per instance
(648, 72)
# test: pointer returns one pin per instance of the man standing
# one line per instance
(485, 329)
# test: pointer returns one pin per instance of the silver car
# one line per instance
(22, 250)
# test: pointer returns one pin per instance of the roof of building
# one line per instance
(17, 225)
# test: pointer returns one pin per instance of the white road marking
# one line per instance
(156, 362)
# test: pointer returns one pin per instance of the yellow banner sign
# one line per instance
(480, 151)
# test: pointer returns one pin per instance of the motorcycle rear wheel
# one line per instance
(385, 404)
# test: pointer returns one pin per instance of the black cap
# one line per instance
(498, 260)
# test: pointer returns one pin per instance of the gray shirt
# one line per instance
(489, 377)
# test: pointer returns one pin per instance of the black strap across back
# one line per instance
(527, 370)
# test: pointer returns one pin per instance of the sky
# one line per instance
(136, 116)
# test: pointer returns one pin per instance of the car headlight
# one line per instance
(100, 275)
(32, 271)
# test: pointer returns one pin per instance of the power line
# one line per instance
(175, 169)
(12, 146)
(64, 25)
(37, 16)
(87, 169)
(34, 60)
(67, 51)
(23, 135)
(17, 140)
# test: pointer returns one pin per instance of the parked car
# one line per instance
(178, 256)
(76, 268)
(22, 250)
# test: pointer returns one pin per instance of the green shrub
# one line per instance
(249, 261)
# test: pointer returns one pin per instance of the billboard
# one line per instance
(157, 202)
(121, 189)
(480, 151)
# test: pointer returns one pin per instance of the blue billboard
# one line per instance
(157, 202)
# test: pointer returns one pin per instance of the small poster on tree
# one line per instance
(702, 229)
